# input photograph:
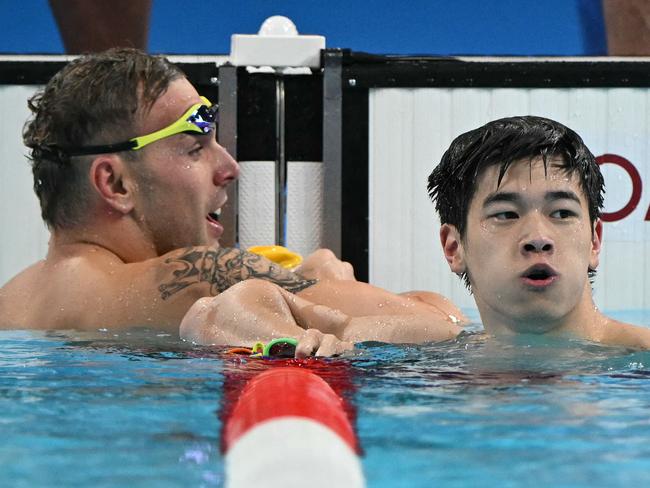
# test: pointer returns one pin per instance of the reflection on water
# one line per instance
(145, 409)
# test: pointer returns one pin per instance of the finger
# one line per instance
(343, 346)
(349, 271)
(328, 346)
(308, 342)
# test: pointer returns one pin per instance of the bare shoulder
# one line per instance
(628, 335)
(220, 268)
(91, 287)
(17, 297)
(54, 294)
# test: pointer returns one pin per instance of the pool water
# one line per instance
(144, 409)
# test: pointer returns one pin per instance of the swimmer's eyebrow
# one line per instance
(512, 197)
(501, 196)
(561, 195)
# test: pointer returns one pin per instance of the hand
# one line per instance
(314, 343)
(324, 265)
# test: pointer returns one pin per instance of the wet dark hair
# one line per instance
(502, 142)
(95, 99)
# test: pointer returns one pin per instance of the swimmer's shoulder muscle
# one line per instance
(627, 335)
(221, 268)
(92, 288)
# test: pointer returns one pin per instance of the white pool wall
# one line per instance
(411, 128)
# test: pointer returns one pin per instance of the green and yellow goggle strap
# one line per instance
(200, 118)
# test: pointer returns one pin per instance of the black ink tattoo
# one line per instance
(225, 267)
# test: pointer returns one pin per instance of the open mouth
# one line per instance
(214, 216)
(539, 275)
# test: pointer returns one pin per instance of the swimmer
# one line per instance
(131, 180)
(519, 201)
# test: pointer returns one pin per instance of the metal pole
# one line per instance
(332, 147)
(280, 164)
(227, 137)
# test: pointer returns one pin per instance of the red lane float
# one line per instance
(289, 428)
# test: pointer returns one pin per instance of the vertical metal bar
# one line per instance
(332, 147)
(280, 164)
(227, 137)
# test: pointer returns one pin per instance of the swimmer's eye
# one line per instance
(507, 215)
(563, 214)
(196, 150)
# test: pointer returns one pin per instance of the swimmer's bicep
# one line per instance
(221, 268)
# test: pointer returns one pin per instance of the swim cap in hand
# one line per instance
(278, 254)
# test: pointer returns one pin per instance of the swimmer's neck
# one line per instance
(121, 239)
(584, 321)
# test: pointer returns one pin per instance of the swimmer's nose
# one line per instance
(537, 245)
(535, 237)
(227, 168)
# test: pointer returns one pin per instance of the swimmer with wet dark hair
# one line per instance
(519, 201)
(131, 179)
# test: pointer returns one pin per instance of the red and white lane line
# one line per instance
(289, 428)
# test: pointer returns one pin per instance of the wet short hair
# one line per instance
(95, 99)
(502, 142)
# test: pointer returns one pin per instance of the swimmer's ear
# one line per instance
(452, 247)
(110, 179)
(596, 244)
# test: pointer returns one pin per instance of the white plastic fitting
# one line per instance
(277, 44)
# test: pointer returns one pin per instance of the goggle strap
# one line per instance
(101, 149)
(139, 142)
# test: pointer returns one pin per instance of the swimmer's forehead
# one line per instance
(528, 174)
(169, 107)
(555, 169)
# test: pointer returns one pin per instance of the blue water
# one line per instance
(142, 409)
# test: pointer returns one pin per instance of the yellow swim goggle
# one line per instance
(199, 118)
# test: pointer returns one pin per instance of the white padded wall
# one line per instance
(23, 236)
(305, 210)
(411, 128)
(256, 203)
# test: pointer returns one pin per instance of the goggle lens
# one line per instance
(204, 118)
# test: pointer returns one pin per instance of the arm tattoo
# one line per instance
(225, 267)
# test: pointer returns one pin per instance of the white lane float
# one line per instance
(290, 429)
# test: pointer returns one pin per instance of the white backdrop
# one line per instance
(23, 236)
(409, 131)
(411, 128)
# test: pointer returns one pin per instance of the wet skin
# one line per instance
(528, 246)
(149, 251)
(180, 179)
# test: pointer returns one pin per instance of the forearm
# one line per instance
(411, 329)
(248, 312)
(259, 311)
(358, 299)
(256, 310)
